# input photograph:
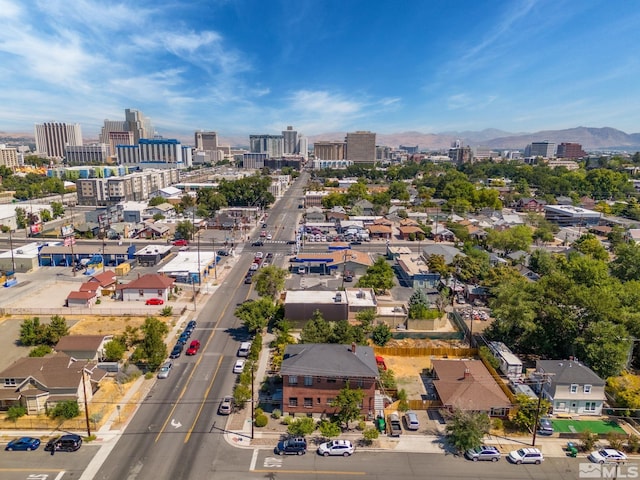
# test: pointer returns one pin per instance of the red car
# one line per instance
(180, 243)
(194, 346)
(155, 301)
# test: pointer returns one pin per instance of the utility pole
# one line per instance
(541, 382)
(13, 261)
(86, 405)
(252, 399)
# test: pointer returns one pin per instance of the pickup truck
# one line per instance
(395, 427)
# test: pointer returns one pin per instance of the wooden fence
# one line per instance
(442, 352)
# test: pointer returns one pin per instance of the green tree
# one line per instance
(418, 304)
(155, 201)
(399, 191)
(21, 217)
(269, 281)
(588, 244)
(256, 314)
(379, 276)
(185, 229)
(438, 264)
(45, 215)
(626, 265)
(151, 350)
(329, 429)
(515, 238)
(486, 354)
(114, 350)
(316, 330)
(211, 200)
(466, 430)
(66, 410)
(32, 332)
(381, 334)
(342, 333)
(525, 417)
(604, 346)
(241, 395)
(57, 209)
(15, 412)
(356, 192)
(301, 427)
(40, 351)
(348, 403)
(56, 329)
(366, 318)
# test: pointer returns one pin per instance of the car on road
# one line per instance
(258, 243)
(244, 349)
(264, 225)
(526, 455)
(180, 243)
(177, 350)
(356, 242)
(194, 346)
(263, 233)
(165, 370)
(259, 255)
(191, 326)
(265, 264)
(336, 447)
(24, 443)
(248, 279)
(269, 256)
(291, 446)
(269, 236)
(226, 405)
(291, 242)
(254, 266)
(184, 336)
(483, 452)
(607, 455)
(239, 365)
(301, 270)
(154, 301)
(65, 443)
(223, 253)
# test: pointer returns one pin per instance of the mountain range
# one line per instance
(590, 138)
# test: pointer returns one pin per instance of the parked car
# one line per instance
(180, 243)
(302, 270)
(526, 455)
(24, 443)
(223, 253)
(248, 279)
(291, 446)
(269, 255)
(239, 365)
(154, 301)
(226, 405)
(291, 242)
(254, 266)
(483, 452)
(545, 427)
(269, 236)
(394, 425)
(411, 421)
(165, 370)
(259, 255)
(177, 350)
(65, 443)
(607, 455)
(244, 349)
(336, 447)
(194, 346)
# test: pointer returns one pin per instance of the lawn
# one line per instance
(594, 426)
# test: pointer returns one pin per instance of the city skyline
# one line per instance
(251, 67)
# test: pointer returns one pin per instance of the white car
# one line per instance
(269, 236)
(259, 255)
(607, 455)
(239, 366)
(336, 447)
(165, 370)
(226, 405)
(254, 266)
(526, 455)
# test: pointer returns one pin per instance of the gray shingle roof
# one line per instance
(566, 372)
(327, 360)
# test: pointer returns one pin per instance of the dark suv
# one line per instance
(65, 443)
(292, 446)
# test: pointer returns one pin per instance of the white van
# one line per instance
(244, 349)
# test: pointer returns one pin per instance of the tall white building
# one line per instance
(52, 138)
(134, 122)
(8, 156)
(93, 154)
(269, 144)
(158, 153)
(303, 146)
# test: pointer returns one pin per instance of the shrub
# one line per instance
(67, 409)
(276, 413)
(287, 420)
(329, 429)
(15, 412)
(498, 424)
(369, 435)
(633, 444)
(261, 420)
(615, 440)
(588, 440)
(98, 301)
(361, 425)
(302, 426)
(40, 351)
(166, 311)
(258, 411)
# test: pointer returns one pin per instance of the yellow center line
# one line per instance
(204, 399)
(186, 385)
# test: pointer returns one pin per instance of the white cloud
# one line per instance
(10, 10)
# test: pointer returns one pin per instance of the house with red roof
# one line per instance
(81, 299)
(151, 285)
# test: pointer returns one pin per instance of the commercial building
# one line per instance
(254, 161)
(570, 150)
(272, 145)
(206, 140)
(329, 150)
(119, 138)
(540, 149)
(361, 147)
(134, 122)
(136, 186)
(92, 154)
(290, 141)
(8, 156)
(460, 154)
(567, 216)
(52, 138)
(156, 153)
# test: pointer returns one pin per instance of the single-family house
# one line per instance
(84, 347)
(467, 385)
(314, 214)
(165, 209)
(570, 386)
(39, 383)
(366, 207)
(147, 286)
(530, 205)
(81, 299)
(313, 375)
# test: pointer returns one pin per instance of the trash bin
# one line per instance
(380, 423)
(572, 452)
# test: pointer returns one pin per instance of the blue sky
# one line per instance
(256, 66)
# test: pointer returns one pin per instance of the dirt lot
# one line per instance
(105, 325)
(407, 372)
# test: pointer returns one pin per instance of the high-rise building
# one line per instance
(459, 154)
(134, 122)
(303, 146)
(82, 154)
(269, 144)
(290, 141)
(540, 149)
(206, 140)
(361, 147)
(8, 156)
(157, 153)
(52, 138)
(570, 150)
(119, 138)
(331, 150)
